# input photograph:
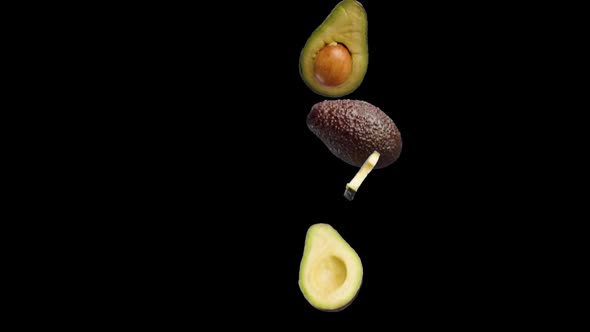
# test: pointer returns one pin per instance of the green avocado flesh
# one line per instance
(346, 25)
(331, 272)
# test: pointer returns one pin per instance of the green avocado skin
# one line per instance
(353, 129)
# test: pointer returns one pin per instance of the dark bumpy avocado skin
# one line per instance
(353, 129)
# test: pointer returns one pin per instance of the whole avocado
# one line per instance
(353, 129)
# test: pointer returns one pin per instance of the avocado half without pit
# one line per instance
(331, 271)
(334, 60)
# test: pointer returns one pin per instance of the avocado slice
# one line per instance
(334, 60)
(353, 186)
(354, 129)
(331, 271)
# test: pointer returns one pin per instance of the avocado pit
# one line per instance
(333, 65)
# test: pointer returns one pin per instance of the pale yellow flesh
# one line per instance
(331, 271)
(363, 172)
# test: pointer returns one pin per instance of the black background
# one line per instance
(220, 177)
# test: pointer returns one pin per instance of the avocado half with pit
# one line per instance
(331, 271)
(334, 60)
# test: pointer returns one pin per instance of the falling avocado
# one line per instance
(334, 60)
(358, 133)
(331, 271)
(353, 129)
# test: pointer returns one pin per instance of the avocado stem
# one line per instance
(353, 186)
